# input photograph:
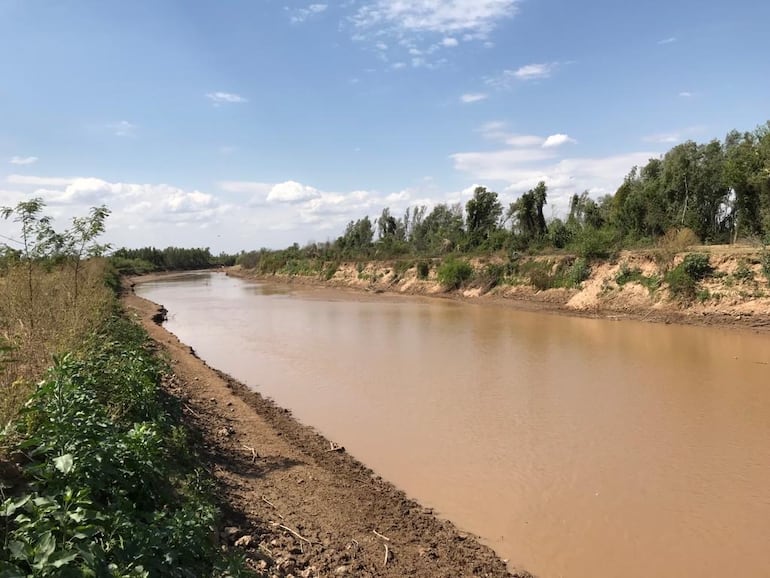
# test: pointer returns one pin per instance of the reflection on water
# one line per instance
(575, 447)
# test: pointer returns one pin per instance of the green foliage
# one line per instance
(683, 279)
(635, 275)
(765, 263)
(452, 273)
(484, 211)
(111, 487)
(743, 273)
(423, 270)
(578, 272)
(171, 258)
(593, 243)
(697, 266)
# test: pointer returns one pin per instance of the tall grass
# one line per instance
(41, 315)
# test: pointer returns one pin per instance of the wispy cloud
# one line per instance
(669, 40)
(473, 97)
(23, 160)
(474, 17)
(122, 128)
(526, 73)
(301, 14)
(428, 26)
(219, 98)
(686, 94)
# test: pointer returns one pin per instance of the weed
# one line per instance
(452, 273)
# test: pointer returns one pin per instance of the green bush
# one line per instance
(697, 266)
(453, 273)
(110, 485)
(423, 270)
(765, 262)
(593, 243)
(743, 272)
(578, 272)
(680, 283)
(635, 275)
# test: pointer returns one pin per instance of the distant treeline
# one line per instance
(717, 192)
(150, 259)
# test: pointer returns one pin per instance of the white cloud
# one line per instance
(292, 192)
(556, 140)
(428, 25)
(534, 71)
(685, 94)
(23, 160)
(122, 128)
(475, 17)
(529, 159)
(473, 97)
(219, 98)
(529, 72)
(669, 40)
(301, 14)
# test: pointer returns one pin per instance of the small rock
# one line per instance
(341, 570)
(244, 541)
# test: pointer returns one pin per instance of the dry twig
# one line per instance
(376, 533)
(387, 555)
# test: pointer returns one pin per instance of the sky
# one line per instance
(240, 124)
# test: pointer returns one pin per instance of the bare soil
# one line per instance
(296, 503)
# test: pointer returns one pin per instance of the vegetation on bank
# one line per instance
(150, 260)
(711, 193)
(97, 474)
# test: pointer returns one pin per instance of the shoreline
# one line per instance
(296, 502)
(758, 323)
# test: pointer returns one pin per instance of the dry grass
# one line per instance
(44, 323)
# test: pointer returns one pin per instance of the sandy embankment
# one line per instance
(728, 300)
(295, 502)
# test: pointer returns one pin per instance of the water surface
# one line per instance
(575, 447)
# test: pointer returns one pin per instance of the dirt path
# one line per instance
(298, 505)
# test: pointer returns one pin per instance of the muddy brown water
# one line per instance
(574, 447)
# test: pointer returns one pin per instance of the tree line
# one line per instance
(717, 191)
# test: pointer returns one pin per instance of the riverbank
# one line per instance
(296, 502)
(633, 285)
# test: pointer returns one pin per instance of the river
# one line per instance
(574, 447)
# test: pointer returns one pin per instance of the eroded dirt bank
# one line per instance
(297, 503)
(631, 286)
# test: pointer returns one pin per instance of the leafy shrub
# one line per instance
(765, 262)
(593, 243)
(452, 273)
(697, 266)
(423, 270)
(110, 486)
(578, 272)
(330, 270)
(492, 275)
(681, 284)
(743, 272)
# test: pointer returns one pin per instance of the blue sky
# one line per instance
(246, 123)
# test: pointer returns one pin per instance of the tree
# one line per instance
(484, 211)
(80, 240)
(37, 238)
